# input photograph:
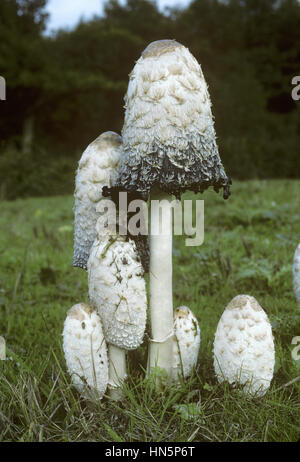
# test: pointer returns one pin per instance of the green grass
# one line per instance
(249, 245)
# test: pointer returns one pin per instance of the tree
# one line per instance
(22, 63)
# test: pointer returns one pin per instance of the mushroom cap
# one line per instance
(186, 342)
(169, 138)
(296, 273)
(85, 351)
(244, 351)
(97, 168)
(117, 290)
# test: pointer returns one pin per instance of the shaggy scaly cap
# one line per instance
(296, 273)
(168, 135)
(244, 347)
(117, 290)
(85, 351)
(97, 168)
(186, 342)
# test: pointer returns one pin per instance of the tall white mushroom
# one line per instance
(97, 168)
(244, 351)
(296, 273)
(186, 343)
(85, 351)
(169, 146)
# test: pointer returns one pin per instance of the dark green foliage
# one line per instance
(34, 174)
(71, 85)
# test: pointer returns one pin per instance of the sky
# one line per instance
(66, 13)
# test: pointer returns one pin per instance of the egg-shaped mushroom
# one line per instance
(85, 351)
(244, 352)
(117, 289)
(296, 273)
(186, 343)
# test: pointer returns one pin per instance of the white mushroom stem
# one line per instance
(161, 300)
(116, 372)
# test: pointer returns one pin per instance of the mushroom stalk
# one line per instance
(161, 300)
(117, 371)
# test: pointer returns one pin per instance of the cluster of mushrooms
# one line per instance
(168, 146)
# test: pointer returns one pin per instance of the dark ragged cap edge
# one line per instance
(201, 187)
(79, 264)
(141, 241)
(138, 174)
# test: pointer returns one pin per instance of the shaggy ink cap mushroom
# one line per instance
(117, 290)
(186, 343)
(97, 168)
(169, 139)
(85, 351)
(244, 352)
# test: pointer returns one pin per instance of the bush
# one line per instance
(35, 174)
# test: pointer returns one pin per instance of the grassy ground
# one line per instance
(249, 245)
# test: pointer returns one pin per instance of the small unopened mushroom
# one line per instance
(186, 343)
(97, 168)
(296, 273)
(169, 147)
(117, 289)
(244, 351)
(85, 351)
